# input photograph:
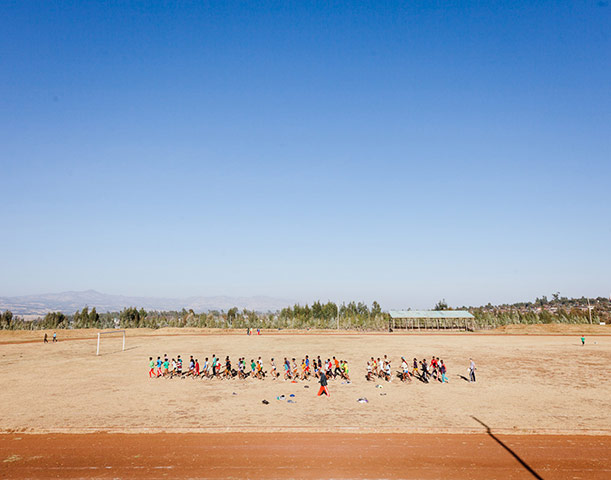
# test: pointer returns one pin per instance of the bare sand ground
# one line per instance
(526, 384)
(304, 455)
(24, 336)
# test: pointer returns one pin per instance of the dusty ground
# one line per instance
(526, 384)
(19, 336)
(553, 329)
(305, 455)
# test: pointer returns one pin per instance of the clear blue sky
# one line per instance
(398, 151)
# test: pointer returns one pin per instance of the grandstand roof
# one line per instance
(442, 314)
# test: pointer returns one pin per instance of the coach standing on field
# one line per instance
(471, 370)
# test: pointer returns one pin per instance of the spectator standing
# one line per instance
(471, 370)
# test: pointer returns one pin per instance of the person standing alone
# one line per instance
(471, 370)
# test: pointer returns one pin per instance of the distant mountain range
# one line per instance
(70, 302)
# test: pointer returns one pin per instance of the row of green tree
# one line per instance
(327, 315)
(556, 301)
(81, 319)
(574, 315)
(317, 315)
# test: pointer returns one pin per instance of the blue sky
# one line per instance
(398, 151)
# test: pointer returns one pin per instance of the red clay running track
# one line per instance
(305, 455)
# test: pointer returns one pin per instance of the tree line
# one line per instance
(574, 316)
(318, 315)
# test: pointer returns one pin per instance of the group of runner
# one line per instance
(422, 370)
(216, 368)
(332, 368)
(292, 370)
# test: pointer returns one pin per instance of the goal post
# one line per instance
(109, 332)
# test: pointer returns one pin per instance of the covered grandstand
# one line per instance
(431, 320)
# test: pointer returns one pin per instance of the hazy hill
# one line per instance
(69, 302)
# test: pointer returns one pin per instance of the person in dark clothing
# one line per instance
(323, 384)
(424, 376)
(471, 370)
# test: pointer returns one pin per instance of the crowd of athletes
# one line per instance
(293, 370)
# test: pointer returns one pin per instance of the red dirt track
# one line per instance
(304, 455)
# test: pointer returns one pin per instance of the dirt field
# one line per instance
(20, 336)
(538, 384)
(550, 386)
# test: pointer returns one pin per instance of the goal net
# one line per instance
(114, 334)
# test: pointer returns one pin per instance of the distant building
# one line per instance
(431, 319)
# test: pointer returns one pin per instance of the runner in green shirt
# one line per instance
(214, 362)
(151, 367)
(344, 365)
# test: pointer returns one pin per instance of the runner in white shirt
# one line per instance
(205, 369)
(405, 368)
(369, 372)
(274, 373)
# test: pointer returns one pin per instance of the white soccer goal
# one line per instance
(108, 333)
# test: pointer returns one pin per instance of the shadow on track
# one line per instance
(515, 455)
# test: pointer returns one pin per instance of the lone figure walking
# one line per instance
(471, 370)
